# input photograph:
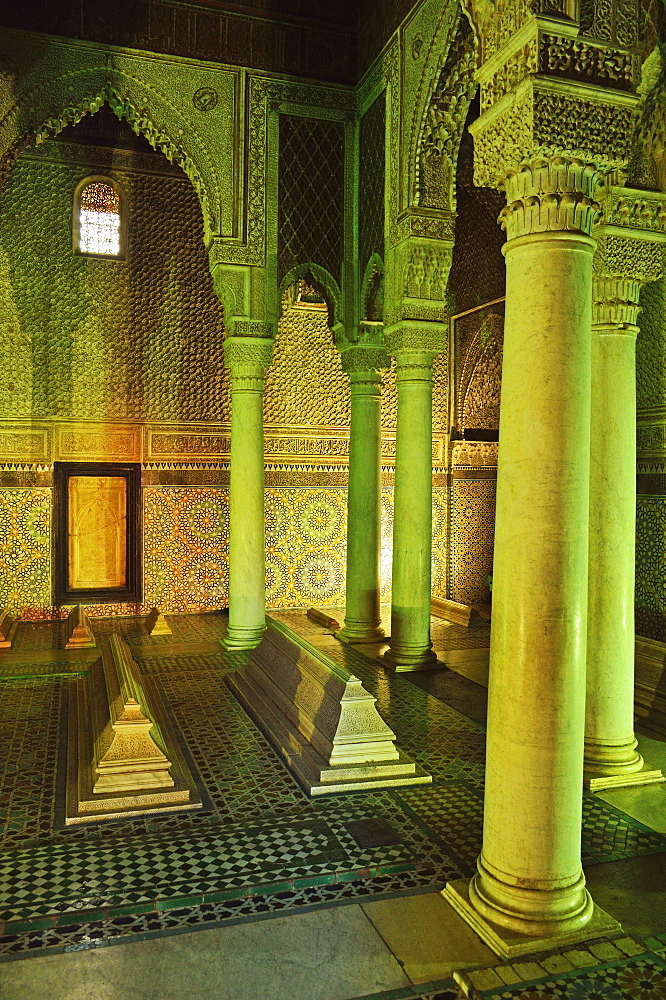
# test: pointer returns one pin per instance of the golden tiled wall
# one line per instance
(25, 549)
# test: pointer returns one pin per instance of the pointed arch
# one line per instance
(42, 111)
(325, 283)
(445, 90)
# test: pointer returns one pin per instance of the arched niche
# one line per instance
(43, 110)
(323, 282)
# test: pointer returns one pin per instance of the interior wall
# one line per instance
(651, 469)
(122, 361)
(476, 283)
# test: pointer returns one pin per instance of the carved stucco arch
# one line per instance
(451, 22)
(647, 159)
(43, 111)
(324, 282)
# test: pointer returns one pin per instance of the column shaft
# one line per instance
(410, 645)
(537, 691)
(611, 758)
(362, 615)
(529, 891)
(247, 571)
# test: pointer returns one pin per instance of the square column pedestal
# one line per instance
(509, 944)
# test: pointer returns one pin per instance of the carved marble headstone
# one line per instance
(319, 718)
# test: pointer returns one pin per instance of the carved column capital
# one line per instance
(417, 276)
(247, 359)
(631, 239)
(364, 359)
(553, 193)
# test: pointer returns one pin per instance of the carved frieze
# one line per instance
(19, 443)
(98, 442)
(651, 438)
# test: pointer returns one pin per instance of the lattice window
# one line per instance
(311, 194)
(99, 221)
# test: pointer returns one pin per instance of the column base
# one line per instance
(403, 659)
(510, 943)
(242, 638)
(616, 764)
(596, 780)
(357, 632)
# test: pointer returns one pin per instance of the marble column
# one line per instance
(529, 892)
(611, 759)
(362, 614)
(410, 645)
(246, 358)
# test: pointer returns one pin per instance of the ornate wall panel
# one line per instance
(311, 194)
(650, 562)
(472, 535)
(186, 532)
(25, 549)
(479, 342)
(651, 346)
(305, 547)
(305, 383)
(98, 339)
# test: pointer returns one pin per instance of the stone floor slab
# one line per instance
(427, 936)
(329, 954)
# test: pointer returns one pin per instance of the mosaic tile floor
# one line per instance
(640, 976)
(264, 847)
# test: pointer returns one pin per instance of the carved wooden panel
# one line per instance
(97, 529)
(98, 532)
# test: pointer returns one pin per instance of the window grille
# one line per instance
(99, 220)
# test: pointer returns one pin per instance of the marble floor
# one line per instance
(265, 892)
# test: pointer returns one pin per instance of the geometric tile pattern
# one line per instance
(610, 835)
(264, 846)
(29, 736)
(305, 546)
(74, 877)
(186, 548)
(639, 978)
(472, 538)
(25, 548)
(440, 547)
